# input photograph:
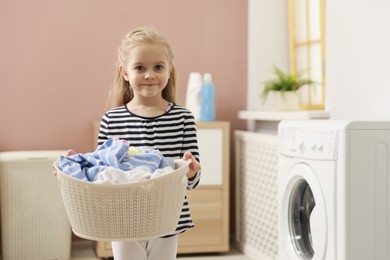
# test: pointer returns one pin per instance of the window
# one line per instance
(307, 48)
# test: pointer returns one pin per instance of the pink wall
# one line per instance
(57, 61)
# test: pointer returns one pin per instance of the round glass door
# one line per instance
(303, 214)
(301, 205)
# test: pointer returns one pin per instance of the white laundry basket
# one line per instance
(115, 212)
(33, 219)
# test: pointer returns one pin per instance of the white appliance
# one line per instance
(334, 190)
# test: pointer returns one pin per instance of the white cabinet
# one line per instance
(210, 142)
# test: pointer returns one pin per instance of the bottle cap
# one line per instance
(195, 77)
(207, 77)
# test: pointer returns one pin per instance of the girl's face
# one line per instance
(147, 70)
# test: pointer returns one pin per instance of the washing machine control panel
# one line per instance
(310, 143)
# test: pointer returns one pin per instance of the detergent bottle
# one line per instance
(207, 99)
(193, 94)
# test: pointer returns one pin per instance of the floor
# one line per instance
(84, 251)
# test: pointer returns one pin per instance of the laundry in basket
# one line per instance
(134, 211)
(113, 153)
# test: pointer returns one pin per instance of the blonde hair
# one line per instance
(121, 93)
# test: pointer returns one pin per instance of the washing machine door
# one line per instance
(303, 215)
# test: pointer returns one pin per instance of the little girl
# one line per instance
(143, 112)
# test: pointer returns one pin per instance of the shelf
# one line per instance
(282, 115)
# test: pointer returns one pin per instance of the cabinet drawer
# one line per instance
(103, 249)
(207, 215)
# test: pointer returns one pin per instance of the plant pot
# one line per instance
(281, 101)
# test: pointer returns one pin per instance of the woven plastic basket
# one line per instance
(115, 212)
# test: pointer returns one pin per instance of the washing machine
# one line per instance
(334, 190)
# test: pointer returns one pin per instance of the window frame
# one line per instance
(307, 44)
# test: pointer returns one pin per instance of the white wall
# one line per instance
(358, 59)
(267, 44)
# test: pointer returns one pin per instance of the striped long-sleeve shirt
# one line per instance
(172, 133)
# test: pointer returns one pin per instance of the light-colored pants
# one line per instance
(154, 249)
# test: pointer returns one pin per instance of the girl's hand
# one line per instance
(68, 153)
(194, 165)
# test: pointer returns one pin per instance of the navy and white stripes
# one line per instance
(172, 133)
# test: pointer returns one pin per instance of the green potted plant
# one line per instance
(283, 90)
